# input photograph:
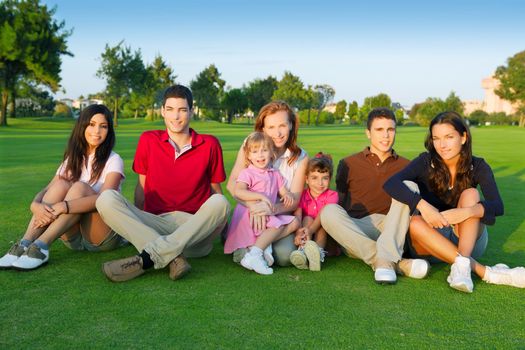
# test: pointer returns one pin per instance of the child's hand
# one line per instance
(301, 236)
(287, 199)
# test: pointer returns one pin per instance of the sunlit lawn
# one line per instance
(70, 304)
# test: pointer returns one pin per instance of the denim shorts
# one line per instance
(112, 241)
(448, 232)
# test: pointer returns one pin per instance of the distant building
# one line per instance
(67, 101)
(492, 103)
(330, 107)
(83, 103)
(80, 103)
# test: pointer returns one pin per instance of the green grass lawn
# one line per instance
(70, 304)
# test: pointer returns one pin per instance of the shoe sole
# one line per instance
(311, 250)
(180, 275)
(31, 269)
(462, 288)
(386, 283)
(298, 261)
(427, 272)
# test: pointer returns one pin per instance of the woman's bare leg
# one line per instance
(55, 193)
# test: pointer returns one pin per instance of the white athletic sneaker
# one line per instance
(298, 259)
(413, 268)
(15, 252)
(384, 272)
(460, 277)
(502, 274)
(268, 256)
(313, 254)
(256, 263)
(32, 258)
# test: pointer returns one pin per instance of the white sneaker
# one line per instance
(384, 272)
(413, 268)
(313, 254)
(502, 274)
(460, 277)
(256, 263)
(14, 253)
(268, 256)
(500, 266)
(32, 258)
(298, 259)
(385, 276)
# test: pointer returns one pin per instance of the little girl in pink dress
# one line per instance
(259, 182)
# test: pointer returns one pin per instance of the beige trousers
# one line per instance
(168, 235)
(376, 236)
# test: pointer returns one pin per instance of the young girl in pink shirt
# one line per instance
(311, 237)
(259, 182)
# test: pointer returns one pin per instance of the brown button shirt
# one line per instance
(359, 180)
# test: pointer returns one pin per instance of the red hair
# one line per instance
(272, 108)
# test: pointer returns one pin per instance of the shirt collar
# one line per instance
(259, 170)
(196, 139)
(286, 154)
(367, 153)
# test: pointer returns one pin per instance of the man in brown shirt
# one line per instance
(368, 223)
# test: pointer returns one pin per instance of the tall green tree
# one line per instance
(207, 89)
(512, 83)
(310, 100)
(291, 90)
(424, 112)
(325, 94)
(259, 92)
(340, 110)
(124, 72)
(380, 100)
(234, 102)
(353, 112)
(453, 103)
(160, 76)
(31, 46)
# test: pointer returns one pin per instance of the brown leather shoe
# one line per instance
(123, 269)
(179, 267)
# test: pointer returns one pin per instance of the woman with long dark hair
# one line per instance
(449, 224)
(65, 208)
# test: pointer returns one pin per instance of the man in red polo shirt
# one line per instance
(179, 207)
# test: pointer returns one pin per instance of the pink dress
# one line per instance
(267, 182)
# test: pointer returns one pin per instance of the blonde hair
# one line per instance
(257, 139)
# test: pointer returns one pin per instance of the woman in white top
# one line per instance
(277, 120)
(65, 208)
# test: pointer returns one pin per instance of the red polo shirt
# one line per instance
(181, 184)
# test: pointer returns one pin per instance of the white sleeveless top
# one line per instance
(288, 171)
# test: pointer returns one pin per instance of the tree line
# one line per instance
(32, 44)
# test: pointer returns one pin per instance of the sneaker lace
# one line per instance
(17, 249)
(34, 252)
(461, 270)
(131, 263)
(322, 253)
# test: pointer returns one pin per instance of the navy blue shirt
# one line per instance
(417, 171)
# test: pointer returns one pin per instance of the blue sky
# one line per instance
(410, 50)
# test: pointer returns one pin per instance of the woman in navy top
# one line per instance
(449, 224)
